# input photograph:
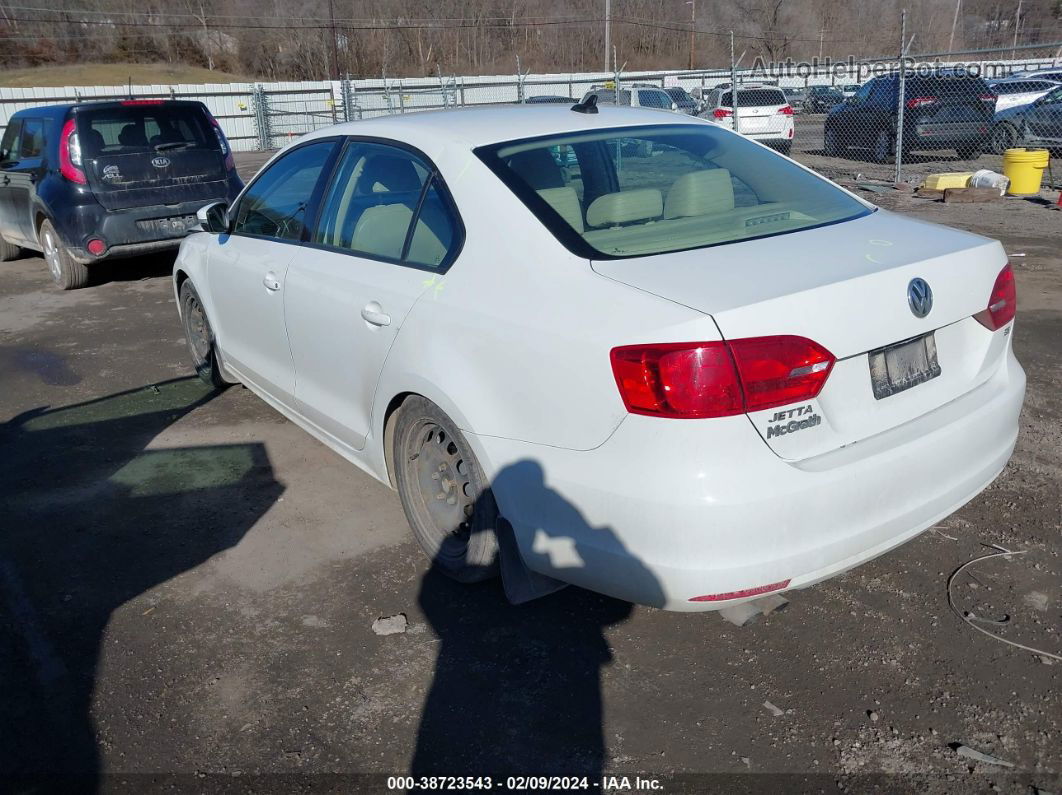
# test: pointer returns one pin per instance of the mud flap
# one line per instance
(520, 583)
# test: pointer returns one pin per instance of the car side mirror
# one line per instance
(214, 218)
(674, 106)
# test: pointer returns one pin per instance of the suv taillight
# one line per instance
(230, 163)
(722, 113)
(695, 380)
(917, 102)
(1002, 302)
(989, 98)
(70, 154)
(786, 110)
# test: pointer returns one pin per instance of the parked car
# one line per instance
(101, 180)
(1013, 92)
(796, 96)
(1036, 124)
(548, 100)
(667, 390)
(764, 114)
(633, 96)
(686, 103)
(821, 99)
(849, 90)
(942, 111)
(1050, 73)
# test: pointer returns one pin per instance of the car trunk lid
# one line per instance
(845, 286)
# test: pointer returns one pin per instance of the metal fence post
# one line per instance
(734, 87)
(260, 105)
(901, 83)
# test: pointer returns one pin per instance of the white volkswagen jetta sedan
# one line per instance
(654, 358)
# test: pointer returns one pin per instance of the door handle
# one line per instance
(373, 314)
(271, 282)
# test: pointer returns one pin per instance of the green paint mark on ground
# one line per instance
(183, 469)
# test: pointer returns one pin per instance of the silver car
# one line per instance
(1036, 124)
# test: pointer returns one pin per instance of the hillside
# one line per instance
(108, 74)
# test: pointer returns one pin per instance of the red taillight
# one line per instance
(70, 154)
(96, 247)
(722, 113)
(230, 163)
(776, 371)
(989, 98)
(695, 380)
(917, 102)
(140, 102)
(786, 110)
(746, 592)
(1002, 303)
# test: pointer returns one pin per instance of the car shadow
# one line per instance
(93, 519)
(132, 269)
(517, 690)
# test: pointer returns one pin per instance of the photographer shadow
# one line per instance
(517, 690)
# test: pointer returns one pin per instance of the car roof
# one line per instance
(480, 126)
(60, 111)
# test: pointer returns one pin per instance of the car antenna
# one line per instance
(588, 105)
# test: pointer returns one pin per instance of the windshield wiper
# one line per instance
(173, 145)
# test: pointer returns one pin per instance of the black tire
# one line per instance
(881, 150)
(1004, 137)
(200, 338)
(8, 251)
(445, 495)
(66, 272)
(968, 152)
(831, 143)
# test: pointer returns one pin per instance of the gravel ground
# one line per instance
(188, 585)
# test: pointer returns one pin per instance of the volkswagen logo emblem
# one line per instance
(920, 297)
(160, 162)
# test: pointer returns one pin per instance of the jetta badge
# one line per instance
(920, 297)
(160, 162)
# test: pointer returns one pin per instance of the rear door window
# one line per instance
(385, 203)
(32, 144)
(9, 145)
(755, 98)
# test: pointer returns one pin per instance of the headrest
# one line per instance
(700, 193)
(626, 206)
(390, 173)
(132, 135)
(537, 168)
(566, 202)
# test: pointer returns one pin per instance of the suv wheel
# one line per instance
(8, 251)
(1004, 137)
(66, 272)
(831, 143)
(968, 152)
(882, 149)
(444, 493)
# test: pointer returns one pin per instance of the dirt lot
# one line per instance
(188, 584)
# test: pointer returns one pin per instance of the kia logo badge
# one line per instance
(161, 162)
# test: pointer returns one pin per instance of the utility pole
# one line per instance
(954, 23)
(608, 33)
(693, 27)
(335, 46)
(1017, 22)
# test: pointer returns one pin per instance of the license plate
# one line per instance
(901, 366)
(177, 225)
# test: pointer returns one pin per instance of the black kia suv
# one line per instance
(101, 180)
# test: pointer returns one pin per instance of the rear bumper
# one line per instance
(122, 233)
(668, 510)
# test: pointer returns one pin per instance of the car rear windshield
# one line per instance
(130, 128)
(754, 98)
(946, 86)
(636, 191)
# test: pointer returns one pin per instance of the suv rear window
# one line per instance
(755, 98)
(637, 191)
(946, 86)
(131, 128)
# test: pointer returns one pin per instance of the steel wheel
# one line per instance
(882, 147)
(200, 338)
(444, 492)
(1004, 137)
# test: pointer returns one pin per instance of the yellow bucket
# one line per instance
(1025, 167)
